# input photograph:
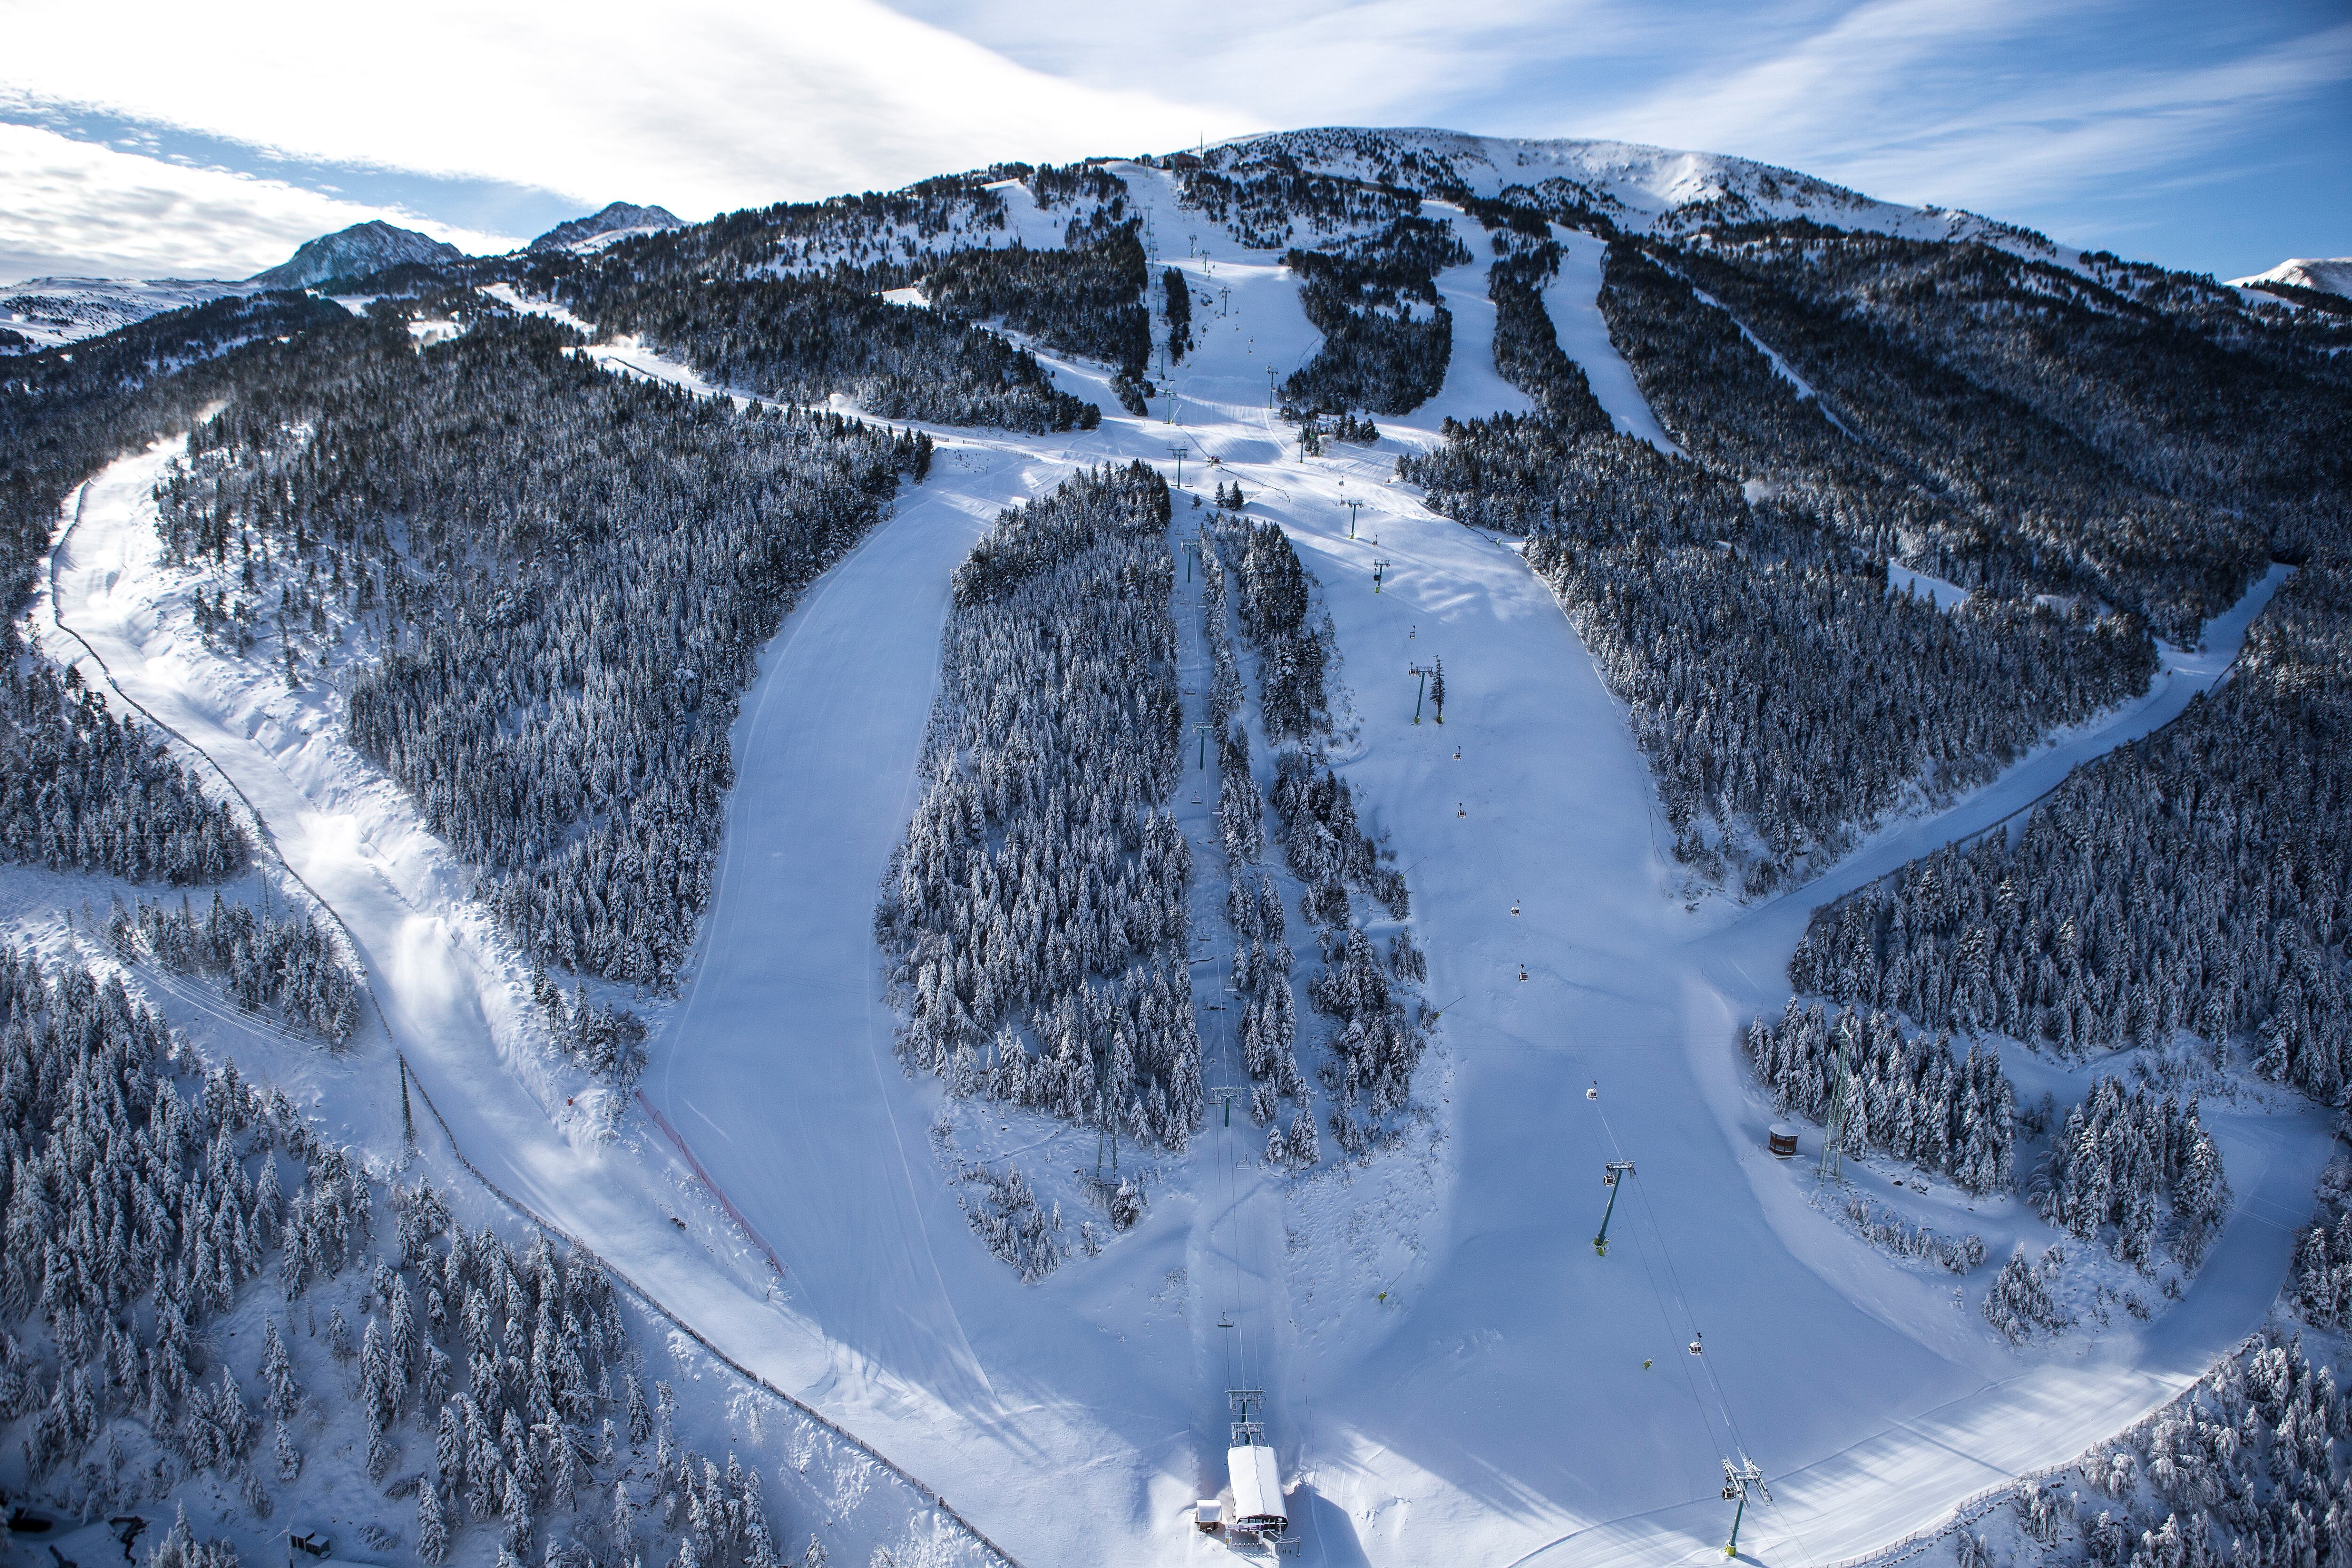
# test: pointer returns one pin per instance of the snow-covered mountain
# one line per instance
(617, 222)
(1647, 190)
(1610, 746)
(354, 252)
(2327, 274)
(47, 312)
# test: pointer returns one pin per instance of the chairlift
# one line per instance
(1515, 906)
(1594, 1093)
(1695, 1348)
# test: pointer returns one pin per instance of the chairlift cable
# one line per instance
(1722, 1399)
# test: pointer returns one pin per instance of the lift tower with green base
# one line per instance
(1609, 1175)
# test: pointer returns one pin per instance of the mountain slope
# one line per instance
(48, 311)
(1636, 188)
(354, 252)
(617, 222)
(2324, 275)
(1714, 397)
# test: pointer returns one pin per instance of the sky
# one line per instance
(141, 139)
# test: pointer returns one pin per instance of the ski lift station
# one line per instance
(1257, 1489)
(1258, 1515)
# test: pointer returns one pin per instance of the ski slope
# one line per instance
(1572, 300)
(1422, 1390)
(1452, 1373)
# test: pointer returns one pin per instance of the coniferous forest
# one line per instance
(1037, 915)
(149, 1199)
(504, 586)
(1699, 593)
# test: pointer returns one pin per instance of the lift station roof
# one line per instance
(1258, 1486)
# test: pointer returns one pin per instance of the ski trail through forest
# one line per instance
(1454, 1372)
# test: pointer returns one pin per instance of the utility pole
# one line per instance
(1105, 1132)
(1379, 567)
(1736, 1480)
(1609, 1175)
(1833, 1165)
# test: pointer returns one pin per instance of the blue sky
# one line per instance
(2217, 138)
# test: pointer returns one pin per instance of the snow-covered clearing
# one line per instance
(1902, 579)
(1452, 1373)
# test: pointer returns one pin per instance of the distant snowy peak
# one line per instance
(43, 312)
(617, 222)
(1647, 190)
(355, 252)
(2324, 275)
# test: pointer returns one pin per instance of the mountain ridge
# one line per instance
(615, 222)
(354, 252)
(2321, 274)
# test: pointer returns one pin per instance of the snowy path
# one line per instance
(1457, 1376)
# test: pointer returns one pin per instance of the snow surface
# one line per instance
(1902, 579)
(1642, 188)
(1452, 1372)
(2329, 275)
(1572, 299)
(53, 310)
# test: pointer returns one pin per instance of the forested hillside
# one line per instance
(1851, 509)
(1784, 695)
(562, 624)
(1036, 920)
(2200, 880)
(151, 1202)
(81, 787)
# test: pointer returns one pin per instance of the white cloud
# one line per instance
(700, 106)
(2037, 109)
(1995, 106)
(73, 207)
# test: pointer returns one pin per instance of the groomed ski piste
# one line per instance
(1452, 1373)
